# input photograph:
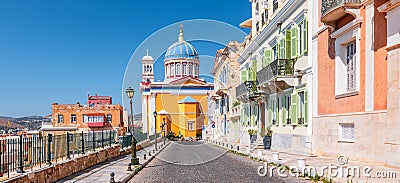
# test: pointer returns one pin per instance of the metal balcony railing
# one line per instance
(241, 90)
(279, 67)
(328, 5)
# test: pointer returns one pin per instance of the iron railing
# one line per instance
(279, 67)
(241, 90)
(328, 5)
(19, 153)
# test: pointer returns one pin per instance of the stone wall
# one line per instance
(66, 168)
(293, 143)
(369, 131)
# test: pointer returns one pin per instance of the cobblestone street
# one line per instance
(198, 162)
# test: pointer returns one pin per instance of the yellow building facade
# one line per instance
(181, 100)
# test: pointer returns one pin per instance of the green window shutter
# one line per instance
(293, 108)
(288, 46)
(253, 70)
(305, 107)
(249, 74)
(268, 56)
(244, 75)
(294, 41)
(264, 60)
(305, 36)
(254, 64)
(283, 99)
(282, 53)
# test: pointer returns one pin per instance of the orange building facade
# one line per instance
(77, 118)
(181, 100)
(351, 115)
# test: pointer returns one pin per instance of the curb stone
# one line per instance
(126, 178)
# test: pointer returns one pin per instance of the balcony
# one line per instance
(333, 10)
(241, 90)
(235, 112)
(95, 124)
(280, 68)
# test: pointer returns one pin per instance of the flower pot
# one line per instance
(267, 142)
(253, 138)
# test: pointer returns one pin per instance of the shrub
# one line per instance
(198, 135)
(170, 135)
(252, 132)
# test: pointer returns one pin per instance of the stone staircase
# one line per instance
(257, 145)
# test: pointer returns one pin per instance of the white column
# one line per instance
(369, 58)
(144, 114)
(153, 108)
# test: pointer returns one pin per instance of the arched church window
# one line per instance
(178, 68)
(195, 70)
(168, 74)
(144, 68)
(151, 68)
(190, 69)
(184, 69)
(172, 69)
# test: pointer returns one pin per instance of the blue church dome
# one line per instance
(181, 49)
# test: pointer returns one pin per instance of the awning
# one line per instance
(246, 23)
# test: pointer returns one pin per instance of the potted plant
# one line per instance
(253, 135)
(267, 139)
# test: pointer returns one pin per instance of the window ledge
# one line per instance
(349, 94)
(345, 141)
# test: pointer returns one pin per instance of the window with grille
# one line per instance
(266, 15)
(275, 6)
(257, 26)
(178, 69)
(190, 69)
(190, 125)
(346, 132)
(73, 118)
(274, 112)
(287, 107)
(196, 71)
(184, 68)
(61, 118)
(172, 70)
(109, 118)
(274, 52)
(301, 108)
(351, 66)
(262, 19)
(257, 9)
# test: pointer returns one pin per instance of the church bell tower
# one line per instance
(148, 69)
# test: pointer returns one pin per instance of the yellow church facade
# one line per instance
(181, 100)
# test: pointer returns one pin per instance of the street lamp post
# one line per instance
(134, 160)
(249, 85)
(155, 128)
(163, 126)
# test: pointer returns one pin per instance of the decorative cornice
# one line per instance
(391, 4)
(347, 28)
(393, 47)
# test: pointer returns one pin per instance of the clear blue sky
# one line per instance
(58, 51)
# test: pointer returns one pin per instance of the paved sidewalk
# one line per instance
(101, 172)
(291, 160)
